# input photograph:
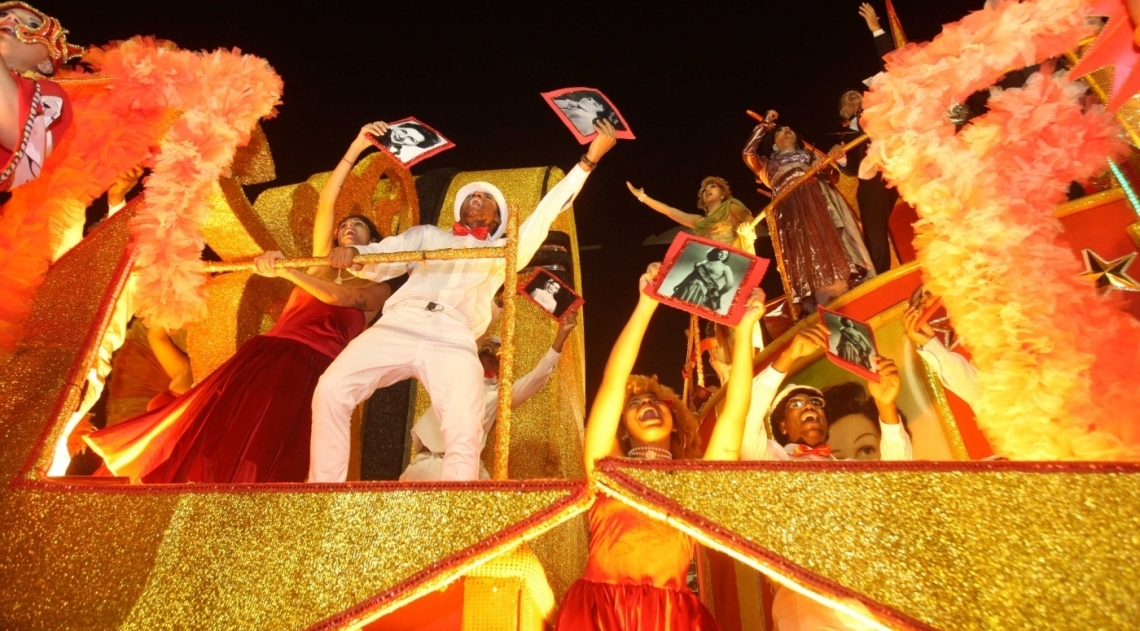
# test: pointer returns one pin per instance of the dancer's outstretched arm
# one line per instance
(324, 229)
(368, 298)
(606, 413)
(688, 220)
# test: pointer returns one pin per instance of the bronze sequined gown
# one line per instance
(812, 249)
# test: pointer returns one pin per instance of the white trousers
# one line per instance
(428, 467)
(433, 347)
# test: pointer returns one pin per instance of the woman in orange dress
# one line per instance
(635, 573)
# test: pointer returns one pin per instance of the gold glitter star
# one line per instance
(1109, 275)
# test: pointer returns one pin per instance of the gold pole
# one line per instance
(811, 173)
(507, 350)
(449, 254)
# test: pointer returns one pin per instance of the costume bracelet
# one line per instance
(588, 162)
(641, 197)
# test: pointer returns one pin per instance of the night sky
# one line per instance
(682, 76)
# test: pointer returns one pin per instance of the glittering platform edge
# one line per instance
(450, 569)
(612, 479)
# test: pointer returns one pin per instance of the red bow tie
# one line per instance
(804, 450)
(490, 374)
(461, 230)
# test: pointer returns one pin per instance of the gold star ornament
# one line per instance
(1109, 275)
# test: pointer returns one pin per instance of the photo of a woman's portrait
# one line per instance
(850, 341)
(545, 294)
(706, 276)
(409, 139)
(853, 432)
(552, 294)
(583, 107)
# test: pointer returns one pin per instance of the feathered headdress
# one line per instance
(50, 33)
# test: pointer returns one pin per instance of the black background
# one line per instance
(682, 74)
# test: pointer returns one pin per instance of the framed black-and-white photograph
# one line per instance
(851, 345)
(707, 278)
(551, 294)
(580, 107)
(411, 141)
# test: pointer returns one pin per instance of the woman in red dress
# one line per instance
(249, 421)
(635, 573)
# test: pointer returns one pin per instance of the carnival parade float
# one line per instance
(1020, 509)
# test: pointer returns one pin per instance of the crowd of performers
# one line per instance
(279, 409)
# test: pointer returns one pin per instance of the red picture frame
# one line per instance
(862, 333)
(420, 156)
(680, 273)
(566, 300)
(580, 126)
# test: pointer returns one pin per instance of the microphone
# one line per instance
(763, 119)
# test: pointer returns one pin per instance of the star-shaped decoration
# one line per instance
(1109, 275)
(1114, 47)
(899, 532)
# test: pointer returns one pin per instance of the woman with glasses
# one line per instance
(636, 568)
(797, 414)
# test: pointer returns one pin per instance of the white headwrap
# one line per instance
(494, 191)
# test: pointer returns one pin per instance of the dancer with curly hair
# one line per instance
(635, 572)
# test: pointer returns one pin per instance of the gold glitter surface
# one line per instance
(76, 560)
(1088, 202)
(96, 556)
(289, 560)
(502, 429)
(236, 308)
(282, 218)
(509, 593)
(848, 187)
(276, 207)
(404, 256)
(58, 330)
(253, 163)
(989, 545)
(546, 431)
(232, 229)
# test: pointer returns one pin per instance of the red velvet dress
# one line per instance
(635, 577)
(249, 421)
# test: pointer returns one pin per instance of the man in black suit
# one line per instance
(875, 199)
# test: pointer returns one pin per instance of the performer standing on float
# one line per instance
(249, 420)
(430, 325)
(34, 111)
(875, 200)
(819, 243)
(427, 441)
(636, 568)
(722, 213)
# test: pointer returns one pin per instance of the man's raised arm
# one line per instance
(533, 231)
